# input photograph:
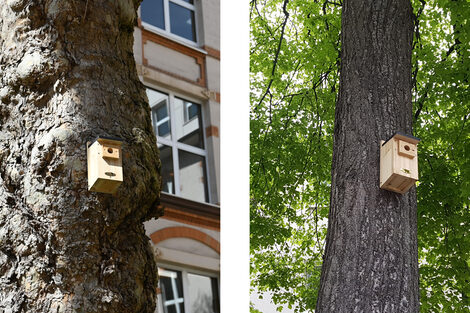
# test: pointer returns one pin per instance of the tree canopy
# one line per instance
(294, 75)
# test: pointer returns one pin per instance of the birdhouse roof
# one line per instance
(108, 140)
(404, 137)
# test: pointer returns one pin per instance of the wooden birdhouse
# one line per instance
(104, 157)
(399, 163)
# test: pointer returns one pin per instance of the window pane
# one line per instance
(192, 109)
(166, 157)
(151, 11)
(188, 122)
(171, 285)
(167, 289)
(182, 22)
(189, 1)
(215, 294)
(202, 294)
(160, 113)
(192, 176)
(164, 128)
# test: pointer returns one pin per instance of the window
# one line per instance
(172, 16)
(185, 291)
(178, 125)
(171, 286)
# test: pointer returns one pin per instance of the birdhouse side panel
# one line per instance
(386, 162)
(92, 165)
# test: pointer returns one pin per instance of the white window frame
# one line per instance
(175, 145)
(167, 31)
(184, 275)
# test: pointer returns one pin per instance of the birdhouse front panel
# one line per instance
(399, 163)
(104, 165)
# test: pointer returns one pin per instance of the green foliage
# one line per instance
(442, 66)
(253, 309)
(291, 125)
(294, 70)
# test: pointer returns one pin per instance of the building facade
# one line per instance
(177, 53)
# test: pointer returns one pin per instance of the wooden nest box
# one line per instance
(104, 157)
(399, 163)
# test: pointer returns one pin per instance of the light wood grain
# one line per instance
(398, 164)
(104, 166)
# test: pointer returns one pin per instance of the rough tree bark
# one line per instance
(371, 257)
(67, 76)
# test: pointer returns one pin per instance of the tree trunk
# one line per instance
(371, 257)
(67, 76)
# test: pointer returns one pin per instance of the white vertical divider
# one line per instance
(234, 129)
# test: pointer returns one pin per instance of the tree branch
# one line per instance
(276, 57)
